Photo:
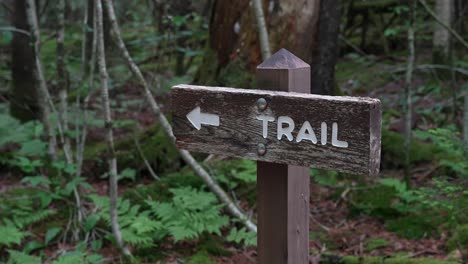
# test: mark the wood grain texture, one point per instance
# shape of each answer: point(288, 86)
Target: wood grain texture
point(283, 190)
point(239, 133)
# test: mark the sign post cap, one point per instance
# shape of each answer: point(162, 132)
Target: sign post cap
point(283, 59)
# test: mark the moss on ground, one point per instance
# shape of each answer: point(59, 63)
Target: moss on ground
point(201, 257)
point(360, 75)
point(155, 145)
point(393, 152)
point(375, 200)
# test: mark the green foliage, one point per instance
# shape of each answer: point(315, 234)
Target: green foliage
point(213, 245)
point(10, 235)
point(453, 153)
point(12, 131)
point(325, 178)
point(414, 226)
point(21, 211)
point(411, 213)
point(201, 257)
point(190, 213)
point(374, 200)
point(51, 234)
point(459, 239)
point(376, 243)
point(18, 257)
point(242, 236)
point(392, 150)
point(186, 216)
point(78, 257)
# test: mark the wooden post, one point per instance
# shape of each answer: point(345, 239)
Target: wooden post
point(283, 190)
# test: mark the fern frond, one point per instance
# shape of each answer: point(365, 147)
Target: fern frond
point(18, 257)
point(9, 234)
point(130, 237)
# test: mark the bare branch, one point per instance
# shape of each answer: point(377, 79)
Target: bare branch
point(13, 29)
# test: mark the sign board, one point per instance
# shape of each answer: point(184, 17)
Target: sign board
point(328, 132)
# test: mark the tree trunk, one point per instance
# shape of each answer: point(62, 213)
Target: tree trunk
point(326, 50)
point(441, 36)
point(24, 104)
point(234, 48)
point(234, 51)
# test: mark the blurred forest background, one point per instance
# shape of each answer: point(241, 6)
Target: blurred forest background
point(89, 172)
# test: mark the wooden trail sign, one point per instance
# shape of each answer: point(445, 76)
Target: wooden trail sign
point(328, 132)
point(286, 129)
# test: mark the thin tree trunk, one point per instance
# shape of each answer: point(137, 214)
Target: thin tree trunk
point(111, 158)
point(408, 88)
point(84, 41)
point(43, 93)
point(188, 158)
point(465, 117)
point(262, 29)
point(63, 80)
point(84, 129)
point(443, 24)
point(441, 36)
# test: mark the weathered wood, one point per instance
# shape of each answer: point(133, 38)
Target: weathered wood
point(283, 190)
point(240, 131)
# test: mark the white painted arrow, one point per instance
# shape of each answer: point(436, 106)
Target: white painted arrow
point(197, 118)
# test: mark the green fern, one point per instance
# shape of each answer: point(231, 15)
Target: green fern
point(242, 236)
point(137, 228)
point(11, 235)
point(17, 257)
point(190, 213)
point(21, 211)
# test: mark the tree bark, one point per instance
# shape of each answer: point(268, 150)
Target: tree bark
point(262, 29)
point(441, 36)
point(408, 88)
point(325, 52)
point(24, 104)
point(63, 80)
point(42, 93)
point(234, 51)
point(111, 159)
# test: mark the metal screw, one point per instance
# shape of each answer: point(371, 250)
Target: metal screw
point(262, 104)
point(261, 149)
